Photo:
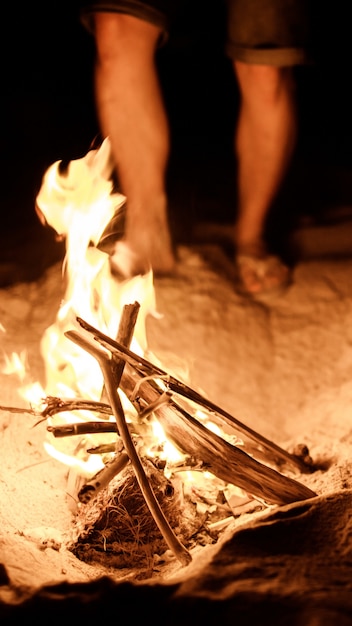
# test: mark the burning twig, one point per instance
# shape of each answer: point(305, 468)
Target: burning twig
point(102, 478)
point(82, 428)
point(104, 360)
point(53, 405)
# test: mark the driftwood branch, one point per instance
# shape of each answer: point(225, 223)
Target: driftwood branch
point(104, 361)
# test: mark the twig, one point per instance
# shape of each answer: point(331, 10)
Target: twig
point(104, 360)
point(55, 405)
point(82, 428)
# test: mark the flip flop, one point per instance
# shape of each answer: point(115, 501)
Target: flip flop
point(261, 278)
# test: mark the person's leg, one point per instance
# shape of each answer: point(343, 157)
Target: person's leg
point(264, 143)
point(266, 39)
point(132, 115)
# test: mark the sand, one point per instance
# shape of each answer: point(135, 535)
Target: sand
point(283, 368)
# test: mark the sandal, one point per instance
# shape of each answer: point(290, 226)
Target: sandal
point(261, 278)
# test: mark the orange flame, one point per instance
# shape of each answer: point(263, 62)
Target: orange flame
point(79, 203)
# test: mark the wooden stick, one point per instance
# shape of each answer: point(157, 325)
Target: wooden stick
point(16, 409)
point(104, 361)
point(82, 428)
point(147, 368)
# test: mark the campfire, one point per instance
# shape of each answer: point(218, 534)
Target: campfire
point(155, 467)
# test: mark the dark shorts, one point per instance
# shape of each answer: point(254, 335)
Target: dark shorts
point(270, 32)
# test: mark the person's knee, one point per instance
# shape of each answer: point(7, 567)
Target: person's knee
point(263, 80)
point(119, 32)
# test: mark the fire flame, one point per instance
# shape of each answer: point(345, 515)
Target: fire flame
point(79, 202)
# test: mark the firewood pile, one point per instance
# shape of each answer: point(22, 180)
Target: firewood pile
point(131, 511)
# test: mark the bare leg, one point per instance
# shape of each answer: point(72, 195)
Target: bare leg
point(264, 143)
point(132, 115)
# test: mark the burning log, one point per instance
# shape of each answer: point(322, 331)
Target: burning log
point(229, 463)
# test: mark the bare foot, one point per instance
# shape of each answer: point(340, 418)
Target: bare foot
point(145, 247)
point(258, 277)
point(259, 273)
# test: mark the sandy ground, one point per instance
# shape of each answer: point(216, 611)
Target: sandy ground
point(283, 368)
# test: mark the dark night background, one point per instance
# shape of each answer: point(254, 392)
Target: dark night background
point(48, 112)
